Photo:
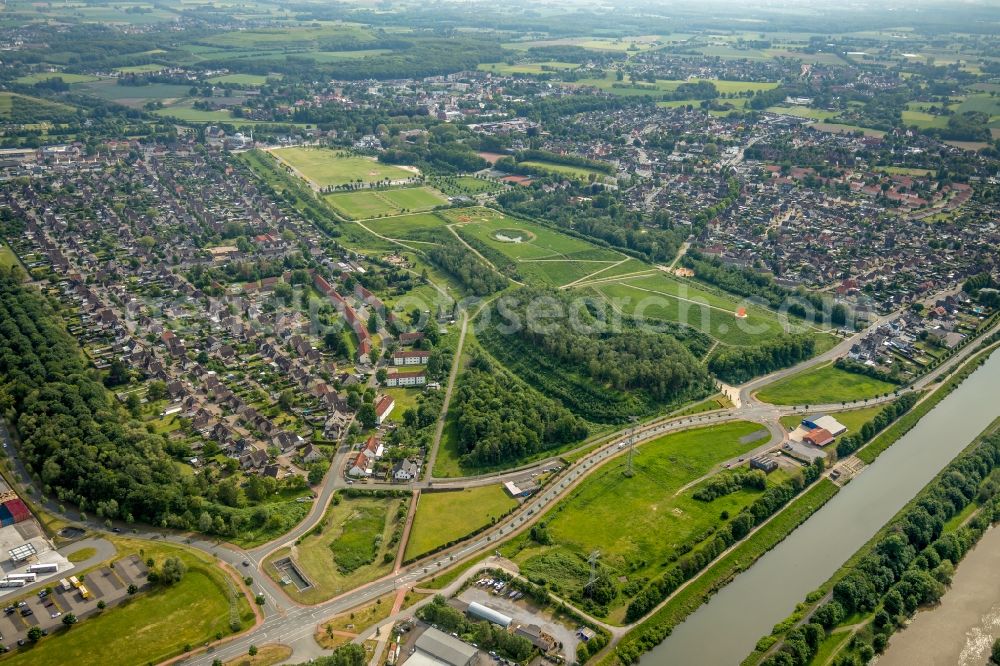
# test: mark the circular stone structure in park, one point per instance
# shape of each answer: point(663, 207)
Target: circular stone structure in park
point(513, 235)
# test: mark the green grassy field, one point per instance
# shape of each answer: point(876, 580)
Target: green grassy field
point(184, 111)
point(151, 627)
point(542, 255)
point(7, 256)
point(853, 419)
point(140, 69)
point(365, 204)
point(32, 79)
point(659, 516)
point(626, 88)
point(803, 112)
point(526, 67)
point(578, 172)
point(446, 516)
point(343, 552)
point(826, 384)
point(240, 79)
point(467, 185)
point(407, 227)
point(687, 600)
point(328, 168)
point(664, 297)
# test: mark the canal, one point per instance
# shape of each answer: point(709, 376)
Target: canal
point(726, 629)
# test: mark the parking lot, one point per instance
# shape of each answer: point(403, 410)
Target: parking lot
point(45, 608)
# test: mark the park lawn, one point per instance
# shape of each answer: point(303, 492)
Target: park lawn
point(329, 168)
point(443, 517)
point(467, 185)
point(38, 77)
point(404, 227)
point(661, 297)
point(379, 203)
point(342, 552)
point(823, 385)
point(524, 240)
point(578, 172)
point(659, 517)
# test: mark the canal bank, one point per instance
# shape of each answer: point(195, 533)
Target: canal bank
point(725, 630)
point(960, 630)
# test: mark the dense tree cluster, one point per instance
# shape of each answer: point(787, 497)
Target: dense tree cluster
point(727, 484)
point(501, 419)
point(911, 562)
point(738, 364)
point(351, 654)
point(73, 435)
point(771, 501)
point(848, 444)
point(475, 276)
point(598, 372)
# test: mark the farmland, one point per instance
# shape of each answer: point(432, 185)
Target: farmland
point(327, 168)
point(349, 546)
point(445, 516)
point(32, 79)
point(827, 384)
point(379, 203)
point(661, 517)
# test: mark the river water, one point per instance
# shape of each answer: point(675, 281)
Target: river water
point(725, 630)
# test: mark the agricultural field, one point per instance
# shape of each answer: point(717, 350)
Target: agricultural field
point(443, 517)
point(541, 255)
point(240, 79)
point(527, 67)
point(366, 204)
point(152, 627)
point(666, 298)
point(625, 88)
point(636, 43)
point(353, 543)
point(141, 69)
point(328, 168)
point(657, 499)
point(185, 111)
point(14, 105)
point(824, 385)
point(133, 96)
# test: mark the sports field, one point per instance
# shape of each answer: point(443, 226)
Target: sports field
point(667, 298)
point(329, 168)
point(638, 523)
point(366, 204)
point(826, 384)
point(542, 255)
point(446, 516)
